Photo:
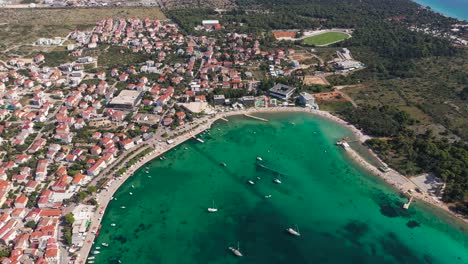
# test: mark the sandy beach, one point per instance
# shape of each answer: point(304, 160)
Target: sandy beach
point(392, 177)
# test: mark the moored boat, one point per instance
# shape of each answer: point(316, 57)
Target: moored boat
point(268, 196)
point(105, 244)
point(276, 180)
point(259, 158)
point(213, 209)
point(251, 182)
point(236, 251)
point(95, 252)
point(223, 164)
point(294, 232)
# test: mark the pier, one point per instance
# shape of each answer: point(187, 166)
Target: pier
point(256, 117)
point(407, 205)
point(224, 119)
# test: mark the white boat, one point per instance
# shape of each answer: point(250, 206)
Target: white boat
point(112, 224)
point(213, 209)
point(95, 252)
point(123, 207)
point(147, 171)
point(133, 186)
point(236, 251)
point(258, 178)
point(251, 182)
point(91, 258)
point(259, 158)
point(268, 196)
point(276, 180)
point(294, 232)
point(149, 176)
point(90, 261)
point(130, 193)
point(105, 244)
point(223, 164)
point(98, 247)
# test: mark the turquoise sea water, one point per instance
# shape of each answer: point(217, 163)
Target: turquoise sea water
point(453, 8)
point(344, 215)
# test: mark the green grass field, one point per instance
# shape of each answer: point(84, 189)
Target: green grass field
point(325, 38)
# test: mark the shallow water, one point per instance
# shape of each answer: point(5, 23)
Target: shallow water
point(344, 215)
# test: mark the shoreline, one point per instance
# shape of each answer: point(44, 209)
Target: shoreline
point(393, 178)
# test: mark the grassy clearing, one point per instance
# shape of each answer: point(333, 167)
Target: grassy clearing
point(25, 26)
point(325, 38)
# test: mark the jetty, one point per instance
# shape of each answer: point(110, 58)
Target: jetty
point(407, 205)
point(224, 119)
point(256, 117)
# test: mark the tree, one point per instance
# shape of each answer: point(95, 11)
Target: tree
point(69, 219)
point(31, 224)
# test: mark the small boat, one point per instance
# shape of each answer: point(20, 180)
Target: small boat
point(91, 258)
point(105, 244)
point(149, 176)
point(268, 196)
point(130, 193)
point(258, 178)
point(123, 207)
point(294, 232)
point(95, 252)
point(259, 158)
point(133, 186)
point(223, 164)
point(251, 182)
point(112, 224)
point(276, 180)
point(90, 261)
point(213, 209)
point(236, 251)
point(98, 247)
point(147, 171)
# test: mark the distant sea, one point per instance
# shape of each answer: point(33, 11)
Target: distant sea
point(344, 214)
point(453, 8)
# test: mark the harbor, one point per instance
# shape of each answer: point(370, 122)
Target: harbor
point(167, 217)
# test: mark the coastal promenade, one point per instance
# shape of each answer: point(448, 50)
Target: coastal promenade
point(103, 198)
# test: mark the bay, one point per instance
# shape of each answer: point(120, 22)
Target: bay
point(453, 8)
point(344, 214)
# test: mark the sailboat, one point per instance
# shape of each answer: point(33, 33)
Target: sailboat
point(213, 209)
point(294, 232)
point(277, 180)
point(236, 251)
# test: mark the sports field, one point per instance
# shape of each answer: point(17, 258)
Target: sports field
point(325, 38)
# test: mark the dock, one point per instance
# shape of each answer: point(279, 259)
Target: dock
point(256, 117)
point(407, 205)
point(224, 119)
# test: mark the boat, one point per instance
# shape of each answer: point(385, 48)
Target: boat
point(105, 244)
point(213, 209)
point(147, 171)
point(130, 193)
point(90, 261)
point(149, 176)
point(259, 158)
point(258, 178)
point(91, 258)
point(123, 207)
point(112, 224)
point(95, 252)
point(223, 164)
point(294, 232)
point(276, 180)
point(133, 186)
point(251, 182)
point(98, 247)
point(268, 196)
point(236, 251)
